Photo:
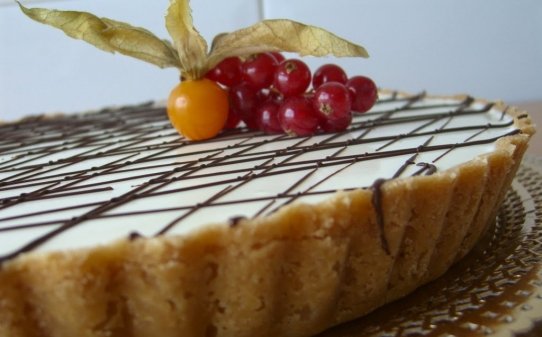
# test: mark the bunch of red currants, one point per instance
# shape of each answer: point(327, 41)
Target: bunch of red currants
point(270, 93)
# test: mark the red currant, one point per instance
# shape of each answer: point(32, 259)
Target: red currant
point(243, 101)
point(328, 73)
point(278, 56)
point(227, 72)
point(297, 116)
point(292, 77)
point(332, 101)
point(363, 93)
point(336, 125)
point(267, 117)
point(258, 70)
point(265, 95)
point(233, 119)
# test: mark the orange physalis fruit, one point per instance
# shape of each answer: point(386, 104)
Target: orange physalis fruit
point(198, 109)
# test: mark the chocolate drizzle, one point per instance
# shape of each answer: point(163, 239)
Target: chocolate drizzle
point(89, 155)
point(234, 221)
point(377, 204)
point(134, 236)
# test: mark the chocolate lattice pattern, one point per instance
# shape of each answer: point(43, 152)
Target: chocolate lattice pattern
point(85, 180)
point(68, 179)
point(495, 291)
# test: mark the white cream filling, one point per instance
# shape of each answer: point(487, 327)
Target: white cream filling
point(115, 224)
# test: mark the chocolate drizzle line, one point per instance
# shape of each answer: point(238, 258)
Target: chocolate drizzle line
point(54, 159)
point(377, 204)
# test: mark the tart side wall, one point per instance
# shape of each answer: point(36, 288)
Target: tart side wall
point(294, 273)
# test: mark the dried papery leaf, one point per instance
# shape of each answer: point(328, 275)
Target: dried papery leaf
point(217, 39)
point(109, 35)
point(188, 52)
point(190, 45)
point(141, 44)
point(281, 35)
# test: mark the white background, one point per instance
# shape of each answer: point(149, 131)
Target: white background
point(490, 49)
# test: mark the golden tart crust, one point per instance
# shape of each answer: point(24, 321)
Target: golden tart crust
point(293, 273)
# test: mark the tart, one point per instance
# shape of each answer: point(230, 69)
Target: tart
point(111, 224)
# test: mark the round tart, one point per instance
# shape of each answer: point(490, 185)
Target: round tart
point(113, 225)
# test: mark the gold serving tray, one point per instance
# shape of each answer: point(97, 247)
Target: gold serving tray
point(495, 291)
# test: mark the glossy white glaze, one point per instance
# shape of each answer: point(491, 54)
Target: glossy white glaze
point(171, 200)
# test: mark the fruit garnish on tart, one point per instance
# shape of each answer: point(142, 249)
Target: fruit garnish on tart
point(241, 73)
